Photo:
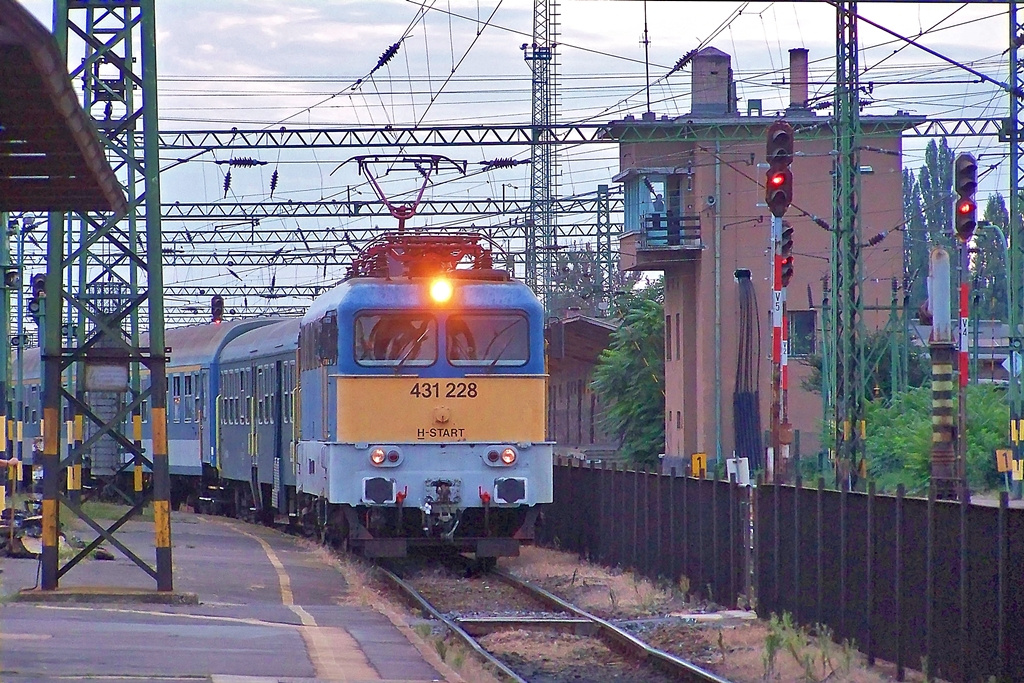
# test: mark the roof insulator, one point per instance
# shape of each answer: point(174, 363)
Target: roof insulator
point(877, 238)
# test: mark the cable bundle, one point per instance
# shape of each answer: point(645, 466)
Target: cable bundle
point(745, 398)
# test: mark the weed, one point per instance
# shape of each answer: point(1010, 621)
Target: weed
point(711, 595)
point(458, 659)
point(572, 582)
point(423, 630)
point(772, 644)
point(684, 586)
point(614, 600)
point(721, 644)
point(442, 648)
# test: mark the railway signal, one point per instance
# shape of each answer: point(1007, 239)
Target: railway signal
point(786, 251)
point(965, 181)
point(35, 303)
point(217, 308)
point(778, 187)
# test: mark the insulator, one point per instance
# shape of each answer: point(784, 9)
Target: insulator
point(227, 183)
point(245, 162)
point(877, 238)
point(503, 162)
point(273, 182)
point(388, 55)
point(683, 61)
point(824, 104)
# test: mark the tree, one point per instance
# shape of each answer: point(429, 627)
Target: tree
point(630, 375)
point(988, 263)
point(878, 357)
point(578, 286)
point(927, 207)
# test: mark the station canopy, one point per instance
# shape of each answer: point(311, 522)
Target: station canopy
point(51, 158)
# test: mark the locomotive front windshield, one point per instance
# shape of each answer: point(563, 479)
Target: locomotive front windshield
point(411, 339)
point(395, 339)
point(487, 339)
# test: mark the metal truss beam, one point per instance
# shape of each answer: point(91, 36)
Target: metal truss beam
point(467, 209)
point(255, 291)
point(521, 135)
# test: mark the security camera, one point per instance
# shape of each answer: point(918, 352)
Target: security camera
point(711, 200)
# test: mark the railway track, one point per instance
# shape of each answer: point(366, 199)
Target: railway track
point(519, 606)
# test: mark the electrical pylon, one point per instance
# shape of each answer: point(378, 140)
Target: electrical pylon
point(1015, 264)
point(847, 268)
point(98, 290)
point(541, 231)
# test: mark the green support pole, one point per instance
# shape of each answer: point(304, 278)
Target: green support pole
point(1015, 262)
point(847, 270)
point(154, 258)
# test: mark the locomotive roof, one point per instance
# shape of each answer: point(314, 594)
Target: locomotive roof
point(370, 292)
point(280, 337)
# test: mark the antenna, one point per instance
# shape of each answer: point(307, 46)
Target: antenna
point(647, 59)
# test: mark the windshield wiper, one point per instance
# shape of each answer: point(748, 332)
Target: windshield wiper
point(413, 349)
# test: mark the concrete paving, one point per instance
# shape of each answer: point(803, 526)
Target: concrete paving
point(264, 607)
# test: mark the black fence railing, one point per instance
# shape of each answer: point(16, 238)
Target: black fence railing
point(920, 583)
point(662, 526)
point(669, 230)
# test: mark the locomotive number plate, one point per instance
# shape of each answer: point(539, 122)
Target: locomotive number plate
point(444, 390)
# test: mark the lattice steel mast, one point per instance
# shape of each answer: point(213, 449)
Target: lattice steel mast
point(541, 231)
point(847, 268)
point(1015, 265)
point(114, 277)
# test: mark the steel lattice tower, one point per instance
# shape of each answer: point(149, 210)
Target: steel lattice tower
point(541, 231)
point(100, 289)
point(847, 268)
point(1015, 265)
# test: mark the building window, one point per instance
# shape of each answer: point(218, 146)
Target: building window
point(668, 337)
point(802, 328)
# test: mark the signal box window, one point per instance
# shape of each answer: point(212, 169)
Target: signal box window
point(802, 328)
point(383, 339)
point(487, 339)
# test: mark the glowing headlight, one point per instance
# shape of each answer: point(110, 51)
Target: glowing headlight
point(441, 290)
point(508, 456)
point(377, 456)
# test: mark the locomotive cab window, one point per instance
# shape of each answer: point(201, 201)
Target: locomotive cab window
point(398, 339)
point(488, 339)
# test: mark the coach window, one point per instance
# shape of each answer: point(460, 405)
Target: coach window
point(187, 407)
point(176, 390)
point(34, 402)
point(398, 339)
point(496, 339)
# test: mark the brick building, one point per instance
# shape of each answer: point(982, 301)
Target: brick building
point(694, 210)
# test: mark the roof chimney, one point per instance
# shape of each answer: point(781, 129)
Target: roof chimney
point(798, 78)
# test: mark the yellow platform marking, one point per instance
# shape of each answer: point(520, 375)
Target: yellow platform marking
point(335, 654)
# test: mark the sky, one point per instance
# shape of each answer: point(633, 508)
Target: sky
point(262, 63)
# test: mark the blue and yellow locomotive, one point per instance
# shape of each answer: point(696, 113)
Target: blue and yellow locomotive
point(422, 401)
point(407, 408)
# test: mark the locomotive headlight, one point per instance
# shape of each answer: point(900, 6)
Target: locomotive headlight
point(508, 456)
point(378, 455)
point(441, 290)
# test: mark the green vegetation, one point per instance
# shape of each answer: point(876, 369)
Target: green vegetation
point(900, 436)
point(630, 375)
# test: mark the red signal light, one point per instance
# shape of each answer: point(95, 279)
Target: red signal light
point(965, 206)
point(777, 179)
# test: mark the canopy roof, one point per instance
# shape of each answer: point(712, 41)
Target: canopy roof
point(51, 158)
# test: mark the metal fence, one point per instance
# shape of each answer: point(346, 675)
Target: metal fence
point(920, 583)
point(663, 526)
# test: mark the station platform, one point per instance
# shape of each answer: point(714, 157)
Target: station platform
point(249, 605)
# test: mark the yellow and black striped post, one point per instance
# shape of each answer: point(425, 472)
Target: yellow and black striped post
point(49, 323)
point(944, 470)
